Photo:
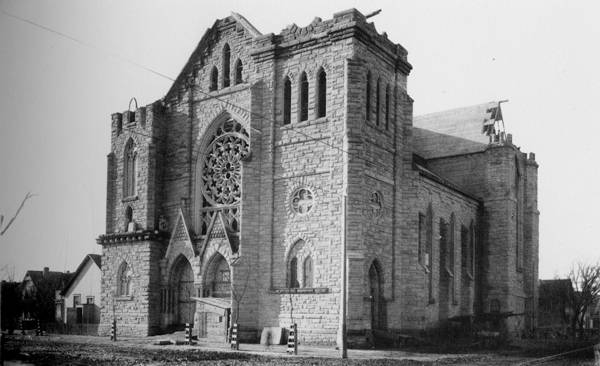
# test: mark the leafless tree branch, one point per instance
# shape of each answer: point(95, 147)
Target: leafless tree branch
point(27, 196)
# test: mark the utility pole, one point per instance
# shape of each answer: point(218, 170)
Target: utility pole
point(344, 295)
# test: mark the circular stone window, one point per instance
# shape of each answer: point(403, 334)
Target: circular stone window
point(302, 201)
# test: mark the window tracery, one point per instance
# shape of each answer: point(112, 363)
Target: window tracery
point(222, 168)
point(220, 176)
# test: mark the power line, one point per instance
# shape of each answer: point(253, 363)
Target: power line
point(162, 75)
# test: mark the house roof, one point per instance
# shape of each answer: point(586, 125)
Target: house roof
point(95, 258)
point(555, 288)
point(56, 280)
point(456, 131)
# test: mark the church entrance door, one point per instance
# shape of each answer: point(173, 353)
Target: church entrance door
point(183, 284)
point(376, 296)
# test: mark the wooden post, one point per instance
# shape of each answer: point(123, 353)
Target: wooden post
point(597, 354)
point(113, 331)
point(234, 341)
point(293, 340)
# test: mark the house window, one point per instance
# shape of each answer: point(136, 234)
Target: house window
point(293, 279)
point(387, 107)
point(466, 243)
point(422, 239)
point(76, 300)
point(89, 300)
point(307, 276)
point(303, 97)
point(214, 79)
point(368, 97)
point(124, 280)
point(428, 258)
point(238, 71)
point(450, 263)
point(226, 61)
point(130, 162)
point(287, 101)
point(321, 93)
point(377, 102)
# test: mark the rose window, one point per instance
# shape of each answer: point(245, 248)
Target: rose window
point(222, 170)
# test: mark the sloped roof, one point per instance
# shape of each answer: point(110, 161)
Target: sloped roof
point(95, 258)
point(56, 280)
point(223, 303)
point(556, 288)
point(453, 132)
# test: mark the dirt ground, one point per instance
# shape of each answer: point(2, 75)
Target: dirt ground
point(99, 351)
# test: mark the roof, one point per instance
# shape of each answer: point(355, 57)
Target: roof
point(223, 303)
point(425, 172)
point(454, 132)
point(56, 280)
point(555, 288)
point(95, 258)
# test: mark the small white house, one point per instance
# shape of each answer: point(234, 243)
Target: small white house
point(79, 302)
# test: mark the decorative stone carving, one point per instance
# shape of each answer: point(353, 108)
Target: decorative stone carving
point(163, 223)
point(375, 206)
point(302, 201)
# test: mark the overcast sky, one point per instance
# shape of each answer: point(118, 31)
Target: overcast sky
point(56, 97)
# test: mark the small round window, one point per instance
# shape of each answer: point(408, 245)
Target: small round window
point(302, 201)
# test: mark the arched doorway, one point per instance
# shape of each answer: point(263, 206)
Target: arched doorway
point(217, 281)
point(182, 283)
point(376, 297)
point(215, 305)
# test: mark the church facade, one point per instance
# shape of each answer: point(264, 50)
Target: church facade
point(237, 196)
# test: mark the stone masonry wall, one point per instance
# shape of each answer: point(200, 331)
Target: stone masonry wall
point(135, 313)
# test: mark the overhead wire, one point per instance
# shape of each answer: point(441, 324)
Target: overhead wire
point(162, 75)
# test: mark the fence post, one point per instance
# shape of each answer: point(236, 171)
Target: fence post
point(292, 340)
point(597, 354)
point(38, 329)
point(188, 333)
point(113, 331)
point(234, 337)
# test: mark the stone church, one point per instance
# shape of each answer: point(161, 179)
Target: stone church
point(237, 196)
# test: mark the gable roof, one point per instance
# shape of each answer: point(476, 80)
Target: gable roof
point(207, 40)
point(95, 258)
point(456, 131)
point(53, 279)
point(557, 288)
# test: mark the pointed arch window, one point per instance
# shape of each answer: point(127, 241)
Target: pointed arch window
point(293, 279)
point(387, 107)
point(287, 101)
point(307, 273)
point(238, 71)
point(214, 79)
point(321, 93)
point(377, 102)
point(129, 219)
point(226, 63)
point(129, 169)
point(303, 107)
point(124, 276)
point(368, 97)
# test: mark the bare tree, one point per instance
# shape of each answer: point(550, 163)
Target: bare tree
point(3, 229)
point(238, 296)
point(586, 288)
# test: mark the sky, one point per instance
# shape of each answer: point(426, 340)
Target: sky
point(57, 94)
